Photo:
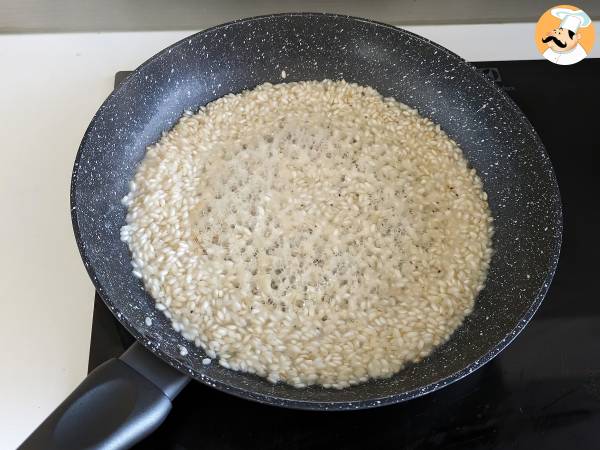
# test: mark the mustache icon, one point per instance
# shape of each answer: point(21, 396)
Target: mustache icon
point(555, 40)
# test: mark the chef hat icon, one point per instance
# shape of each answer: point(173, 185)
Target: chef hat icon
point(571, 20)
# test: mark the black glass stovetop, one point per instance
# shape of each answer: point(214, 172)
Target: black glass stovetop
point(542, 392)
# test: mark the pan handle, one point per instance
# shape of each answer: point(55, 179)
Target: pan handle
point(119, 403)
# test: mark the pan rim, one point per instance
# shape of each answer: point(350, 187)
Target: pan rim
point(309, 404)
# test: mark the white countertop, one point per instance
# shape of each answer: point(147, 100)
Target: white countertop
point(50, 87)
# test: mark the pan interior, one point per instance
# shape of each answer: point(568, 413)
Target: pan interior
point(494, 135)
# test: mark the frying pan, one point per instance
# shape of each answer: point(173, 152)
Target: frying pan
point(126, 398)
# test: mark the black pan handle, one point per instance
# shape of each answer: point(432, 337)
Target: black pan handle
point(119, 403)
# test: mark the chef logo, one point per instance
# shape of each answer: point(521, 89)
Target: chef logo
point(564, 35)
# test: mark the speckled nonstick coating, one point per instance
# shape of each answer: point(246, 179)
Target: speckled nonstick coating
point(495, 136)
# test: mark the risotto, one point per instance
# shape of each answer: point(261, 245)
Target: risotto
point(310, 233)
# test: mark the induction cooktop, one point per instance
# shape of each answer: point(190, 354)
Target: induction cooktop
point(542, 392)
